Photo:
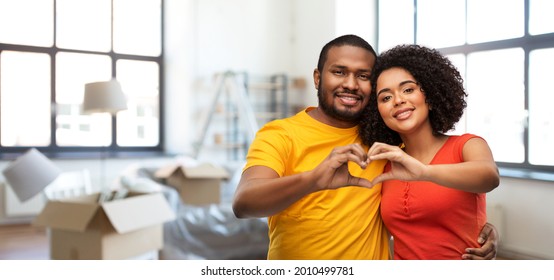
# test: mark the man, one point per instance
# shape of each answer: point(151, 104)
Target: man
point(308, 174)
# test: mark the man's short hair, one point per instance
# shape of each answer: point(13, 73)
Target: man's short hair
point(344, 40)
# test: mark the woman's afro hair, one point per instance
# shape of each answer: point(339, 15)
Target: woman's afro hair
point(438, 78)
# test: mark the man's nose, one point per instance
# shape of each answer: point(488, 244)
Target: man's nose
point(350, 82)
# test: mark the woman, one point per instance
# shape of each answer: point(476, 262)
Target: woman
point(433, 196)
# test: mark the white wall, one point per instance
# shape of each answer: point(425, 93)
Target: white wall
point(528, 218)
point(314, 25)
point(212, 36)
point(243, 35)
point(180, 68)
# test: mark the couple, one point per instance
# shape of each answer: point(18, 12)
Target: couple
point(320, 175)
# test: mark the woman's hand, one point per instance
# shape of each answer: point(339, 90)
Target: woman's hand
point(403, 166)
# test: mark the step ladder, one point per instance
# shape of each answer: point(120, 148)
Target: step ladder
point(234, 87)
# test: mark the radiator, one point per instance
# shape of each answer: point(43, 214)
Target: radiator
point(15, 208)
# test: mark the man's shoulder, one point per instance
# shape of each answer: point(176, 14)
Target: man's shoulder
point(297, 120)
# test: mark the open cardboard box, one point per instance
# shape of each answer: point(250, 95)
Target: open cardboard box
point(197, 185)
point(82, 228)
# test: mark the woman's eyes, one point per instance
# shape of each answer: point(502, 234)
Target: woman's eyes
point(386, 98)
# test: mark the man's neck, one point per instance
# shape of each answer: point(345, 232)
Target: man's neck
point(320, 116)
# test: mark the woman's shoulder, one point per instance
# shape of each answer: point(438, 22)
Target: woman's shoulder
point(463, 137)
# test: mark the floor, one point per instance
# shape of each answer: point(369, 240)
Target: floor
point(23, 242)
point(27, 242)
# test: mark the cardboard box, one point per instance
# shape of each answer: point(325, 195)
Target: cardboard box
point(197, 185)
point(82, 228)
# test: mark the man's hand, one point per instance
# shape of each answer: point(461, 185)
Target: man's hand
point(333, 172)
point(489, 240)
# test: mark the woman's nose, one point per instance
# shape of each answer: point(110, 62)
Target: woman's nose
point(399, 99)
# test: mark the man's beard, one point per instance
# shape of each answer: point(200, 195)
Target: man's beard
point(330, 110)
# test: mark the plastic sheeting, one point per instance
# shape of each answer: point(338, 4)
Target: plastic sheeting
point(213, 232)
point(210, 232)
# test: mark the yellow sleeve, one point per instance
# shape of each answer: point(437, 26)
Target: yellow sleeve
point(270, 148)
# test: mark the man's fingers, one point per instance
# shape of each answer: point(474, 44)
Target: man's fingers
point(361, 182)
point(469, 256)
point(353, 152)
point(487, 252)
point(472, 254)
point(484, 235)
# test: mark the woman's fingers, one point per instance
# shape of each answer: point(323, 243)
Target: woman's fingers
point(383, 151)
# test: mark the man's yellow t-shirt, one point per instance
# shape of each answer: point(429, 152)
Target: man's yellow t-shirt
point(332, 224)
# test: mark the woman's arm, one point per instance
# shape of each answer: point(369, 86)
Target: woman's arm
point(478, 173)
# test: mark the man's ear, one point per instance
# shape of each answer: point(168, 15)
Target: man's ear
point(317, 78)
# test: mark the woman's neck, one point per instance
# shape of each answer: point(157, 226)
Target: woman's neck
point(423, 146)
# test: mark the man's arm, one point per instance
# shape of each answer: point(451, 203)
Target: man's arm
point(489, 238)
point(261, 192)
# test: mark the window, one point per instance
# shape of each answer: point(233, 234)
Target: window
point(49, 50)
point(503, 48)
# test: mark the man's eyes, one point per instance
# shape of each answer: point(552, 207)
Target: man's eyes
point(364, 76)
point(342, 73)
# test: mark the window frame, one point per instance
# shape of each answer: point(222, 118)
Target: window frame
point(84, 152)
